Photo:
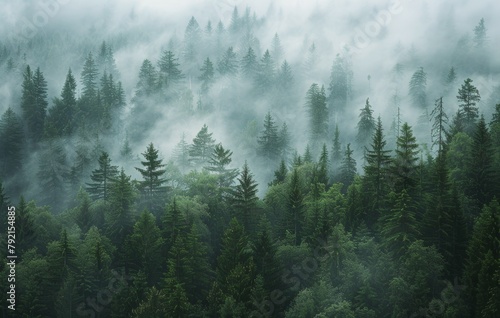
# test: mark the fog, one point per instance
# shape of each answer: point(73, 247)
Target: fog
point(373, 37)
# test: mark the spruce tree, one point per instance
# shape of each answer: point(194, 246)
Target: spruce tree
point(102, 178)
point(228, 64)
point(366, 125)
point(340, 86)
point(11, 144)
point(417, 89)
point(207, 75)
point(404, 166)
point(284, 142)
point(480, 38)
point(468, 96)
point(249, 64)
point(347, 169)
point(218, 164)
point(202, 147)
point(269, 140)
point(265, 78)
point(439, 130)
point(121, 198)
point(34, 103)
point(148, 81)
point(318, 114)
point(245, 199)
point(295, 219)
point(169, 71)
point(152, 186)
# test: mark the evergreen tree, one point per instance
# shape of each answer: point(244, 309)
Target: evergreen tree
point(218, 164)
point(269, 140)
point(347, 169)
point(480, 38)
point(148, 80)
point(318, 113)
point(439, 130)
point(249, 64)
point(181, 154)
point(280, 174)
point(404, 166)
point(121, 198)
point(60, 119)
point(482, 185)
point(102, 178)
point(52, 174)
point(207, 76)
point(284, 78)
point(376, 169)
point(340, 86)
point(34, 102)
point(366, 125)
point(265, 78)
point(284, 142)
point(11, 144)
point(417, 89)
point(153, 184)
point(144, 247)
point(295, 218)
point(336, 152)
point(400, 226)
point(89, 80)
point(245, 199)
point(228, 65)
point(266, 261)
point(169, 71)
point(202, 147)
point(322, 169)
point(277, 49)
point(468, 96)
point(192, 37)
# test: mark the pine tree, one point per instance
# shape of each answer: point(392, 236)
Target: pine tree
point(169, 71)
point(218, 164)
point(265, 78)
point(400, 226)
point(207, 76)
point(284, 142)
point(61, 117)
point(245, 199)
point(347, 169)
point(468, 96)
point(480, 38)
point(181, 154)
point(482, 185)
point(404, 166)
point(202, 147)
point(148, 80)
point(336, 152)
point(153, 184)
point(89, 80)
point(192, 37)
point(121, 198)
point(340, 86)
point(284, 78)
point(269, 140)
point(439, 130)
point(102, 178)
point(417, 89)
point(366, 124)
point(318, 113)
point(280, 174)
point(376, 169)
point(322, 169)
point(295, 218)
point(34, 102)
point(228, 64)
point(144, 247)
point(11, 144)
point(249, 64)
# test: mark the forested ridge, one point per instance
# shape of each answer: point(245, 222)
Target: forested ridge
point(228, 181)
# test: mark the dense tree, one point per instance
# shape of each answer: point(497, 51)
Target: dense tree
point(152, 186)
point(417, 89)
point(34, 102)
point(366, 125)
point(404, 166)
point(11, 144)
point(245, 200)
point(61, 117)
point(340, 86)
point(468, 96)
point(207, 75)
point(318, 113)
point(347, 168)
point(169, 71)
point(269, 139)
point(228, 64)
point(102, 178)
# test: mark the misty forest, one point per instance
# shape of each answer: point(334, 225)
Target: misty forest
point(227, 160)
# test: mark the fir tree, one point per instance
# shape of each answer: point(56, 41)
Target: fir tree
point(148, 80)
point(269, 140)
point(439, 130)
point(227, 65)
point(245, 199)
point(366, 125)
point(11, 144)
point(417, 89)
point(480, 38)
point(405, 163)
point(102, 178)
point(218, 164)
point(340, 86)
point(468, 96)
point(202, 147)
point(295, 218)
point(347, 169)
point(207, 76)
point(249, 64)
point(169, 71)
point(265, 78)
point(153, 184)
point(318, 113)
